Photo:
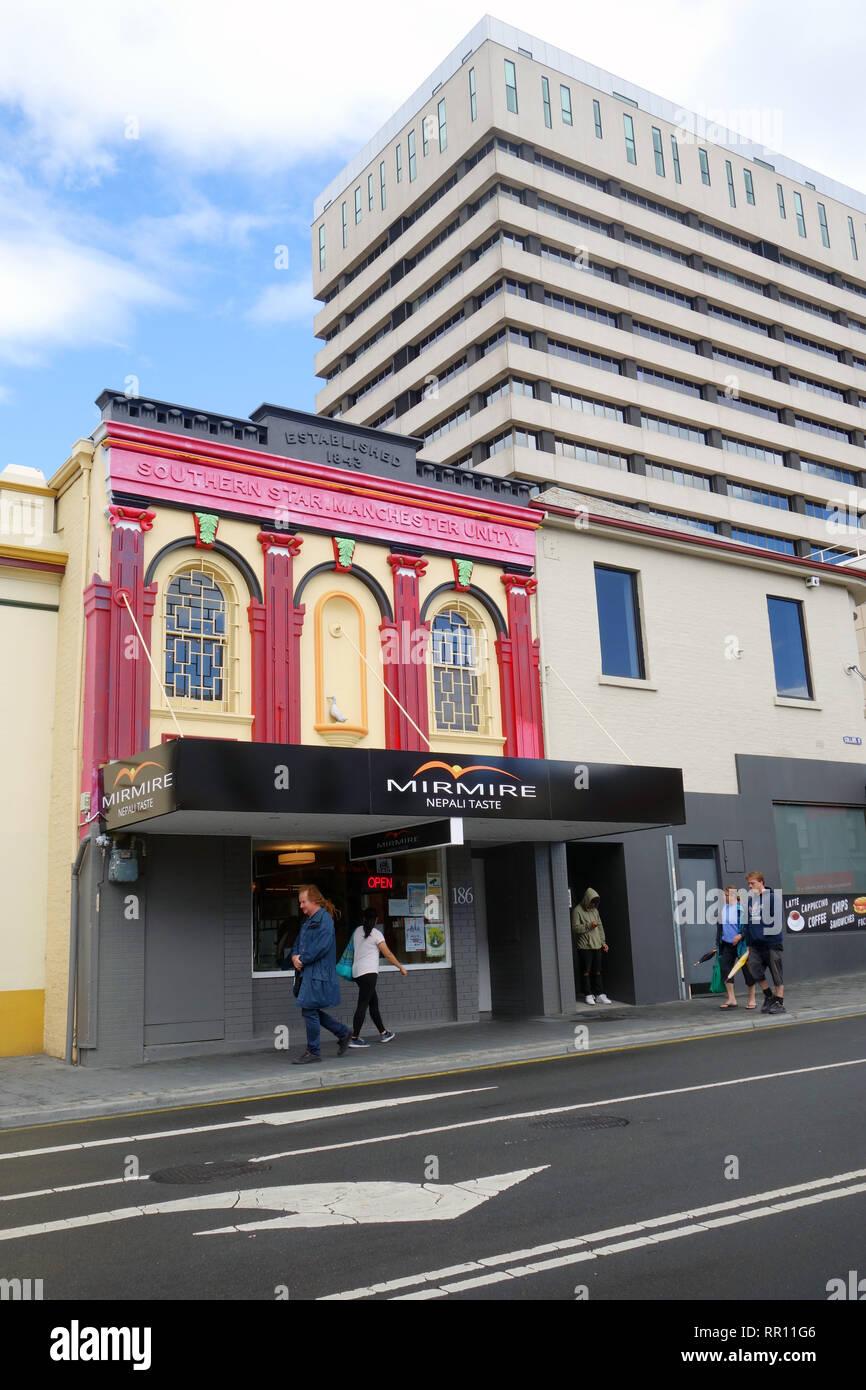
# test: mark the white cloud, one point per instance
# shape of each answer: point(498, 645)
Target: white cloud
point(283, 303)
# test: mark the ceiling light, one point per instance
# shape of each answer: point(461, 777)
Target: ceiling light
point(297, 857)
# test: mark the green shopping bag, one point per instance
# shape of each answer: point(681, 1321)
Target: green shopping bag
point(717, 985)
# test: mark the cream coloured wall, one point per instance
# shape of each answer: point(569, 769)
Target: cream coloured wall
point(700, 703)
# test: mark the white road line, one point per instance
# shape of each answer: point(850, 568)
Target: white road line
point(73, 1187)
point(521, 1271)
point(808, 1193)
point(283, 1117)
point(552, 1110)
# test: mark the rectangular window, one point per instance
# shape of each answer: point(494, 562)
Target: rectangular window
point(630, 152)
point(473, 100)
point(322, 247)
point(781, 192)
point(853, 238)
point(545, 102)
point(358, 203)
point(398, 152)
point(596, 116)
point(619, 623)
point(382, 184)
point(443, 128)
point(415, 888)
point(369, 192)
point(565, 101)
point(658, 153)
point(705, 167)
point(788, 638)
point(798, 212)
point(732, 197)
point(822, 222)
point(344, 226)
point(425, 141)
point(510, 86)
point(822, 849)
point(750, 187)
point(413, 167)
point(678, 178)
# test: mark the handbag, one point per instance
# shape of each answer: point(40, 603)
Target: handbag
point(344, 964)
point(716, 984)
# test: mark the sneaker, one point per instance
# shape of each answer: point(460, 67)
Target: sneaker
point(343, 1043)
point(777, 1007)
point(387, 1036)
point(603, 999)
point(304, 1058)
point(767, 1005)
point(358, 1042)
point(590, 999)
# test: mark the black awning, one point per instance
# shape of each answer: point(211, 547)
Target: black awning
point(201, 786)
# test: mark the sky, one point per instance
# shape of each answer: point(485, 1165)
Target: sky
point(159, 162)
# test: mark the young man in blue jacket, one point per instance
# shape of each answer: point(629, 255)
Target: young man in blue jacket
point(766, 941)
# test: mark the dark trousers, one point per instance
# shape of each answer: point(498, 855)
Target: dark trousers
point(590, 966)
point(367, 999)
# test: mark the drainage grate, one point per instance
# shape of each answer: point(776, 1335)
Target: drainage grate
point(601, 1018)
point(581, 1122)
point(208, 1172)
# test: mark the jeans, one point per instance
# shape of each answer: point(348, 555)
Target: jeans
point(367, 998)
point(590, 964)
point(316, 1018)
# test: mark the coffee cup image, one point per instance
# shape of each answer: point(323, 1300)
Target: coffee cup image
point(796, 921)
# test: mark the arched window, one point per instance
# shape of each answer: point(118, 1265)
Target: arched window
point(459, 679)
point(196, 637)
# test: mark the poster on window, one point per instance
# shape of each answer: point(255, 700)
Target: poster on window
point(435, 937)
point(416, 893)
point(433, 898)
point(414, 934)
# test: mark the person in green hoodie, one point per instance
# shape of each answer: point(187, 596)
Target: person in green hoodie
point(589, 939)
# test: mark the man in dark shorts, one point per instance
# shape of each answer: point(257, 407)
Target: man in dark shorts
point(766, 941)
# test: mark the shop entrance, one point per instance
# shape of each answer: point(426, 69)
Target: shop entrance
point(602, 867)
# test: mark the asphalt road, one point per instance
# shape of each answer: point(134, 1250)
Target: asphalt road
point(726, 1169)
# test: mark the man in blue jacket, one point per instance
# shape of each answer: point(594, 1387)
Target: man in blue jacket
point(766, 941)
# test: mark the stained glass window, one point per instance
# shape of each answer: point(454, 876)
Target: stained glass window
point(454, 646)
point(195, 637)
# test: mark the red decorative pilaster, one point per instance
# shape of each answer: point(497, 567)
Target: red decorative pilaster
point(128, 669)
point(276, 627)
point(94, 744)
point(404, 655)
point(519, 677)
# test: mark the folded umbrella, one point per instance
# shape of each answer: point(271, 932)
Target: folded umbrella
point(738, 965)
point(708, 955)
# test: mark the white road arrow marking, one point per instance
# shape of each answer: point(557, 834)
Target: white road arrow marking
point(314, 1204)
point(372, 1203)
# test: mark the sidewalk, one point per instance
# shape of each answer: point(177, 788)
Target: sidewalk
point(41, 1090)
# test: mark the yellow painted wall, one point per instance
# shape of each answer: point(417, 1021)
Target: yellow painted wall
point(22, 1021)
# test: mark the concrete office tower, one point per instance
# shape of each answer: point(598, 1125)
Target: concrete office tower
point(546, 272)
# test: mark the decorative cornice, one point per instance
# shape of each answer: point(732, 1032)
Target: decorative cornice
point(162, 444)
point(518, 584)
point(131, 518)
point(280, 543)
point(408, 564)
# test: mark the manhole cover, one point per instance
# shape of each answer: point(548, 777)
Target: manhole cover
point(581, 1122)
point(208, 1172)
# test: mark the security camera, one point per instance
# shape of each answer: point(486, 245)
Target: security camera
point(813, 582)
